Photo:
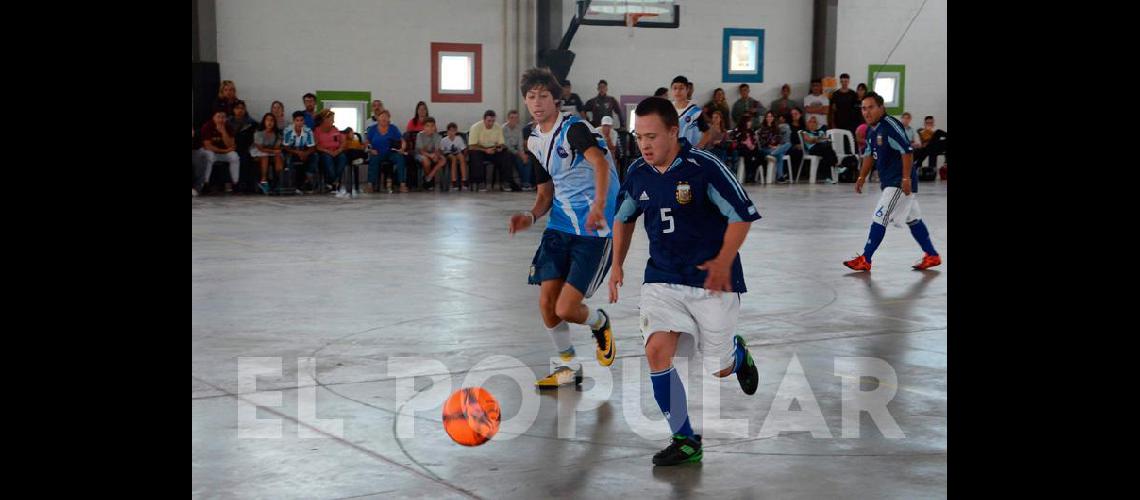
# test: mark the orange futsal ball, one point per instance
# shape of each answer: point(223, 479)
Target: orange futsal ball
point(471, 416)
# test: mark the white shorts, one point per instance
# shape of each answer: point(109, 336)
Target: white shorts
point(706, 321)
point(896, 207)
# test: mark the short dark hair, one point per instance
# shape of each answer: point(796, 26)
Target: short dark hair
point(660, 92)
point(452, 125)
point(601, 82)
point(660, 107)
point(308, 95)
point(680, 79)
point(871, 95)
point(298, 113)
point(239, 102)
point(906, 113)
point(928, 117)
point(512, 112)
point(429, 120)
point(816, 80)
point(540, 77)
point(862, 86)
point(489, 112)
point(743, 86)
point(845, 75)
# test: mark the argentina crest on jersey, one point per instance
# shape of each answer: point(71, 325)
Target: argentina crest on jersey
point(684, 193)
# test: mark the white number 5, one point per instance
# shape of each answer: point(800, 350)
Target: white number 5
point(665, 217)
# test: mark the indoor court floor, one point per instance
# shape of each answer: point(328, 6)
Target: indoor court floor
point(319, 294)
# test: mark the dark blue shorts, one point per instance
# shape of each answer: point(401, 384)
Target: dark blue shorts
point(583, 261)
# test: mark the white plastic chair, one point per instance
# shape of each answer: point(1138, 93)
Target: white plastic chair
point(843, 143)
point(759, 172)
point(808, 157)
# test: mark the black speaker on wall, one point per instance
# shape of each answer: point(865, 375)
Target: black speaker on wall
point(206, 78)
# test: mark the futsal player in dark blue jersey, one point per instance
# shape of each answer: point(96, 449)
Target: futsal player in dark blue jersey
point(889, 150)
point(697, 216)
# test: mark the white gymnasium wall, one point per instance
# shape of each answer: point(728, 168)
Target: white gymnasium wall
point(651, 59)
point(281, 49)
point(868, 29)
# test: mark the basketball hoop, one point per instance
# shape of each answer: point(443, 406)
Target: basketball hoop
point(632, 19)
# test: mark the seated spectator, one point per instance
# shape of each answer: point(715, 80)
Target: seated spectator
point(911, 135)
point(783, 106)
point(714, 140)
point(571, 103)
point(932, 143)
point(428, 153)
point(487, 143)
point(611, 137)
point(416, 124)
point(227, 96)
point(267, 145)
point(603, 105)
point(330, 149)
point(748, 105)
point(816, 104)
point(385, 143)
point(742, 144)
point(353, 150)
point(300, 145)
point(278, 110)
point(377, 107)
point(818, 144)
point(516, 146)
point(795, 125)
point(244, 127)
point(455, 150)
point(772, 143)
point(719, 103)
point(308, 113)
point(217, 145)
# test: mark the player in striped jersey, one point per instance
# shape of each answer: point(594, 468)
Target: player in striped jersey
point(689, 113)
point(577, 184)
point(889, 149)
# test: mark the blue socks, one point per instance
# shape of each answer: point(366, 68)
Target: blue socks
point(876, 237)
point(670, 395)
point(922, 236)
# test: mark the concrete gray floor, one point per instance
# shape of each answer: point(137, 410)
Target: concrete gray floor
point(352, 284)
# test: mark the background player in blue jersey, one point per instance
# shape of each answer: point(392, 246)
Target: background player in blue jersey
point(891, 152)
point(691, 123)
point(574, 184)
point(697, 216)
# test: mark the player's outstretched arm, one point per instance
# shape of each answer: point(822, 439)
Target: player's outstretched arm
point(581, 139)
point(623, 235)
point(907, 162)
point(596, 219)
point(865, 169)
point(544, 197)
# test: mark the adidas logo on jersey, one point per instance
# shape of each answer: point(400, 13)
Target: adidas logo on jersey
point(643, 197)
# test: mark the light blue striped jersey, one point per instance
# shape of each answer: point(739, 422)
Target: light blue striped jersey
point(573, 176)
